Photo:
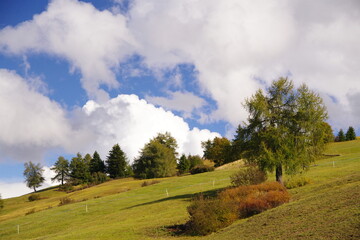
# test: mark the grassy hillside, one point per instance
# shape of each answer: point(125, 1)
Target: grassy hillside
point(328, 208)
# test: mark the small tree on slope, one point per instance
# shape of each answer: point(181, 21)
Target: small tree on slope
point(33, 175)
point(285, 128)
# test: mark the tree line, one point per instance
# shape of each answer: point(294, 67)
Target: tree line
point(158, 158)
point(285, 131)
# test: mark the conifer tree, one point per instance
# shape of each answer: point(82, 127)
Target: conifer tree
point(80, 169)
point(184, 164)
point(96, 164)
point(116, 162)
point(341, 136)
point(350, 134)
point(62, 170)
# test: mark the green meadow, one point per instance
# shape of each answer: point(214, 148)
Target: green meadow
point(327, 208)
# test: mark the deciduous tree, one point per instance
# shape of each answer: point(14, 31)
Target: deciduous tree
point(33, 175)
point(217, 150)
point(284, 128)
point(157, 158)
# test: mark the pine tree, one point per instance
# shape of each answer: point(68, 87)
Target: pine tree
point(61, 169)
point(184, 164)
point(350, 134)
point(80, 169)
point(341, 136)
point(33, 175)
point(116, 163)
point(96, 164)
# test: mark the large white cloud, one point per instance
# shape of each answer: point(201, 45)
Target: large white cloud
point(236, 46)
point(239, 46)
point(131, 122)
point(94, 42)
point(30, 122)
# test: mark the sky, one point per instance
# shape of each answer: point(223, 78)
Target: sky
point(79, 76)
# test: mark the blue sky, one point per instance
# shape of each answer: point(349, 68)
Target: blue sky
point(80, 76)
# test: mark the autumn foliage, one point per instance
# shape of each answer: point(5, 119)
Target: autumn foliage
point(211, 214)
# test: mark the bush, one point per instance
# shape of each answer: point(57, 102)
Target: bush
point(99, 177)
point(209, 215)
point(255, 199)
point(201, 169)
point(296, 181)
point(148, 183)
point(66, 200)
point(34, 197)
point(248, 176)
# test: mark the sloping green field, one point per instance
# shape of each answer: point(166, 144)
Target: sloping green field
point(328, 208)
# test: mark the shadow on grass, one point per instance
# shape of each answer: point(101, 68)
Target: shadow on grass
point(186, 197)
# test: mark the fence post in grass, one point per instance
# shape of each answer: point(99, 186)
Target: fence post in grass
point(333, 163)
point(18, 229)
point(167, 193)
point(86, 208)
point(213, 182)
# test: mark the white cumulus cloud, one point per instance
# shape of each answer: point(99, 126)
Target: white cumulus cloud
point(30, 123)
point(132, 122)
point(94, 42)
point(240, 46)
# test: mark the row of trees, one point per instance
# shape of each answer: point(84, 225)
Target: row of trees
point(92, 169)
point(158, 158)
point(350, 135)
point(285, 131)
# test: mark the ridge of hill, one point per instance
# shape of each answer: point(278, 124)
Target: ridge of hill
point(328, 208)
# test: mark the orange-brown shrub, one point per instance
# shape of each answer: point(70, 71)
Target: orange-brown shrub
point(211, 214)
point(254, 199)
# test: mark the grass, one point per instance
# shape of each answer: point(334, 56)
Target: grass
point(328, 208)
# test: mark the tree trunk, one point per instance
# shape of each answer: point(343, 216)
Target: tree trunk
point(62, 180)
point(34, 189)
point(279, 174)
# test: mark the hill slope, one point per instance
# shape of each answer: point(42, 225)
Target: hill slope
point(122, 209)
